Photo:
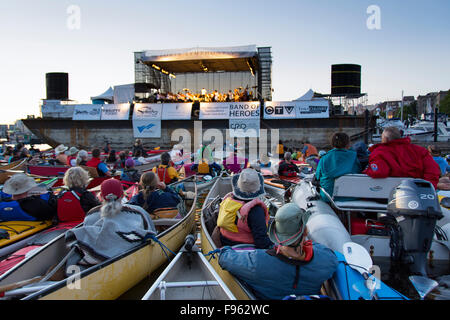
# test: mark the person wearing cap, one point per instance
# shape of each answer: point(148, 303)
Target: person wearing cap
point(294, 265)
point(398, 157)
point(109, 229)
point(130, 174)
point(60, 155)
point(286, 167)
point(165, 171)
point(72, 157)
point(243, 216)
point(29, 201)
point(335, 163)
point(97, 163)
point(155, 194)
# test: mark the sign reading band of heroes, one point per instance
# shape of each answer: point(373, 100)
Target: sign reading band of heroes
point(221, 110)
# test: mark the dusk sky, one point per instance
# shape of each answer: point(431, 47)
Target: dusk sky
point(409, 52)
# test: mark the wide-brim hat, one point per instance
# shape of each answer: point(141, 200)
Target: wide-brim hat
point(18, 184)
point(264, 159)
point(73, 150)
point(248, 185)
point(289, 224)
point(61, 148)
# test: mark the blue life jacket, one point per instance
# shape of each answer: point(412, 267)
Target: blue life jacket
point(11, 210)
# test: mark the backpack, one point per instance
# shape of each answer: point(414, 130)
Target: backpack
point(69, 207)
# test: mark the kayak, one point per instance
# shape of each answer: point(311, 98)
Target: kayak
point(107, 280)
point(12, 168)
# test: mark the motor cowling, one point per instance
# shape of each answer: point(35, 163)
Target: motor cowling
point(414, 208)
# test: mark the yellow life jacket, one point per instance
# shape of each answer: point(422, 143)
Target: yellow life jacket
point(203, 168)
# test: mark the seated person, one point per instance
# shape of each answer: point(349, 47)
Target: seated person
point(203, 167)
point(243, 217)
point(130, 174)
point(398, 157)
point(435, 152)
point(29, 201)
point(362, 153)
point(287, 168)
point(235, 164)
point(154, 194)
point(166, 173)
point(60, 155)
point(74, 203)
point(110, 229)
point(264, 162)
point(294, 266)
point(335, 163)
point(97, 163)
point(72, 157)
point(82, 158)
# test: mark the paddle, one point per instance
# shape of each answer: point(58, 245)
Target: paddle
point(423, 285)
point(359, 259)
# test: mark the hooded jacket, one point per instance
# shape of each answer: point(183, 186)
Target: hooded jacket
point(401, 158)
point(334, 164)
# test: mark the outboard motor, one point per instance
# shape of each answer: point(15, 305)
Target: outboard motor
point(415, 207)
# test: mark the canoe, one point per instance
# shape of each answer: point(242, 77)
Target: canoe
point(107, 280)
point(274, 199)
point(189, 276)
point(12, 168)
point(48, 171)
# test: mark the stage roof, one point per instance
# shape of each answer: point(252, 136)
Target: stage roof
point(201, 59)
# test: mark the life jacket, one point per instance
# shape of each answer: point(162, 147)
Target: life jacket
point(69, 207)
point(310, 151)
point(163, 174)
point(70, 158)
point(94, 162)
point(203, 168)
point(287, 172)
point(12, 211)
point(230, 209)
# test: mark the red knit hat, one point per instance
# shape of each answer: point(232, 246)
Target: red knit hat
point(111, 186)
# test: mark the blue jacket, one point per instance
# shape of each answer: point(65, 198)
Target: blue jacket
point(273, 279)
point(443, 165)
point(166, 198)
point(334, 164)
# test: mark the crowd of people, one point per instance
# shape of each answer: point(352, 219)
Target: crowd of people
point(297, 265)
point(236, 95)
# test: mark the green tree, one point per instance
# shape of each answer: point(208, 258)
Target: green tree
point(444, 107)
point(409, 110)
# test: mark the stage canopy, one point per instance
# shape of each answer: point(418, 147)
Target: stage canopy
point(201, 59)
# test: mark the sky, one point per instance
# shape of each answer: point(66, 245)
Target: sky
point(408, 49)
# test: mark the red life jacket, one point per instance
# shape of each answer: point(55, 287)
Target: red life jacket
point(69, 158)
point(163, 175)
point(94, 162)
point(289, 171)
point(69, 207)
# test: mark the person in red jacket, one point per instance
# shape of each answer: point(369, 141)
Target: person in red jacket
point(398, 157)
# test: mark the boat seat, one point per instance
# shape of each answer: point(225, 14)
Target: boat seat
point(371, 194)
point(165, 222)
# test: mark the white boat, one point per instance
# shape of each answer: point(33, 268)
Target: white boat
point(189, 276)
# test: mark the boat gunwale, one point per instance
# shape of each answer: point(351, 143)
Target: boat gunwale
point(61, 283)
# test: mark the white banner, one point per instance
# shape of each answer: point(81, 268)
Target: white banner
point(115, 111)
point(229, 110)
point(244, 128)
point(176, 111)
point(279, 110)
point(146, 128)
point(312, 109)
point(244, 110)
point(149, 111)
point(87, 112)
point(214, 110)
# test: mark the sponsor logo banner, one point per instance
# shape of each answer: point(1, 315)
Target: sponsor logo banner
point(176, 111)
point(230, 110)
point(312, 109)
point(87, 112)
point(115, 111)
point(147, 111)
point(146, 128)
point(244, 128)
point(279, 110)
